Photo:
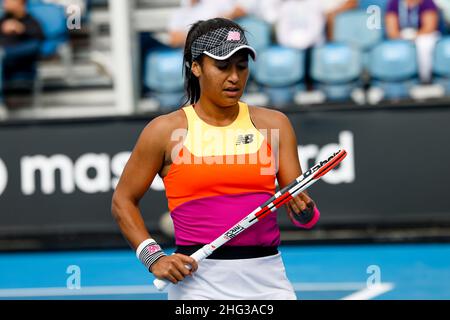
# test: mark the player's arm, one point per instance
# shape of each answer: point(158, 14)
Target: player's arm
point(392, 25)
point(145, 162)
point(430, 21)
point(302, 209)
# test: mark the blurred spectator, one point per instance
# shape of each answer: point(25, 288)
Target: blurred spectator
point(444, 6)
point(263, 9)
point(300, 24)
point(332, 8)
point(415, 20)
point(190, 12)
point(20, 38)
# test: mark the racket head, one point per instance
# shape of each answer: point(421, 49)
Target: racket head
point(331, 163)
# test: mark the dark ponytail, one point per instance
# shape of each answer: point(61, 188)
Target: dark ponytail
point(191, 83)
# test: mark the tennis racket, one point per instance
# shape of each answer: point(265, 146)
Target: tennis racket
point(280, 198)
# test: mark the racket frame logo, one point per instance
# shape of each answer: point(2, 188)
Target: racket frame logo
point(234, 232)
point(318, 166)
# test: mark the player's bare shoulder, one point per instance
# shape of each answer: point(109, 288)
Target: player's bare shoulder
point(266, 118)
point(163, 126)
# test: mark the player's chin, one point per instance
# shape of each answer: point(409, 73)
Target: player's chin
point(231, 98)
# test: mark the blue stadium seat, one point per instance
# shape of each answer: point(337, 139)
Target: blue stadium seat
point(53, 23)
point(351, 27)
point(381, 4)
point(441, 63)
point(258, 32)
point(393, 68)
point(364, 4)
point(336, 69)
point(280, 71)
point(163, 76)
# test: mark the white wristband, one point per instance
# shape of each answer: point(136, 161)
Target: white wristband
point(143, 245)
point(148, 252)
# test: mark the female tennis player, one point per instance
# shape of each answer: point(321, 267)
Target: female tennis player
point(219, 159)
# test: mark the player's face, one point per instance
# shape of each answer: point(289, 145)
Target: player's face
point(223, 81)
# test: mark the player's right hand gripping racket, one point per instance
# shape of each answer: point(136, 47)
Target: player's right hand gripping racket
point(280, 198)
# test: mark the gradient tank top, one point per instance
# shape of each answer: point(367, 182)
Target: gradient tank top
point(218, 176)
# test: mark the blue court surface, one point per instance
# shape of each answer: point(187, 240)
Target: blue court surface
point(387, 271)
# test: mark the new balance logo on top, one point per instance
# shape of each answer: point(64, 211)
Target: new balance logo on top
point(244, 139)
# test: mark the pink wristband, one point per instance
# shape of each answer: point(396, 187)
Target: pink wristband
point(309, 225)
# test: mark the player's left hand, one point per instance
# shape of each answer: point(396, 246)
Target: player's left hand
point(302, 202)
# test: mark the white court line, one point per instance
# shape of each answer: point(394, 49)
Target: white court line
point(370, 292)
point(149, 289)
point(329, 286)
point(84, 291)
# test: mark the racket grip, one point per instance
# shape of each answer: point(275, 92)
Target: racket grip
point(198, 256)
point(160, 284)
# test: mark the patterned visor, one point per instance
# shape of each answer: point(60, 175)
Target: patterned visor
point(220, 44)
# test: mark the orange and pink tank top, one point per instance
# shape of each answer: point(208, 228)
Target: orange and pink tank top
point(218, 176)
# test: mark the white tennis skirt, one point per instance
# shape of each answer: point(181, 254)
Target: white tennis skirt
point(237, 279)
